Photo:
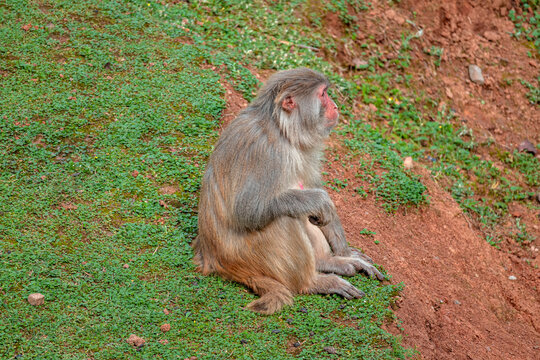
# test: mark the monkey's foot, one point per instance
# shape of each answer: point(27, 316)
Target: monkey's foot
point(348, 266)
point(269, 303)
point(273, 295)
point(333, 284)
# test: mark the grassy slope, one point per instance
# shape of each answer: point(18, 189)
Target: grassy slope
point(104, 107)
point(110, 109)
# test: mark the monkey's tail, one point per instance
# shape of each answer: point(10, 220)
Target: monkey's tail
point(273, 295)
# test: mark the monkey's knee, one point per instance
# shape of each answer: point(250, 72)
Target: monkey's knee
point(318, 241)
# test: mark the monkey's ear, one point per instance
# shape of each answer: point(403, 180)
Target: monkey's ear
point(288, 104)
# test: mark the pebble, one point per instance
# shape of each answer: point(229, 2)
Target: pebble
point(296, 344)
point(512, 277)
point(408, 163)
point(165, 327)
point(243, 341)
point(528, 147)
point(359, 64)
point(475, 73)
point(330, 349)
point(135, 340)
point(457, 302)
point(491, 36)
point(36, 299)
point(276, 331)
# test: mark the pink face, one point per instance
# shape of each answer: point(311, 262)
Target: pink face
point(331, 111)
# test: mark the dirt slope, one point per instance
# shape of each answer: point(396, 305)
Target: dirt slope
point(459, 302)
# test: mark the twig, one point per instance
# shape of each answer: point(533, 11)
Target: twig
point(285, 42)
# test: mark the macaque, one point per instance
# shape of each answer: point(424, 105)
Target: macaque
point(264, 219)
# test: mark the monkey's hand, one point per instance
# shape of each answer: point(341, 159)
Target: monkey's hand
point(366, 267)
point(325, 212)
point(360, 255)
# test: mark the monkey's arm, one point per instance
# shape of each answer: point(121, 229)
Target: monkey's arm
point(254, 209)
point(335, 235)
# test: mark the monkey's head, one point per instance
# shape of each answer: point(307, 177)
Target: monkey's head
point(299, 103)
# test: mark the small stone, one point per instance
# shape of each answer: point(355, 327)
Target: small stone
point(491, 36)
point(516, 212)
point(457, 302)
point(165, 327)
point(276, 331)
point(512, 277)
point(296, 344)
point(408, 163)
point(330, 349)
point(36, 299)
point(164, 341)
point(528, 147)
point(303, 310)
point(135, 340)
point(125, 266)
point(243, 341)
point(475, 73)
point(359, 64)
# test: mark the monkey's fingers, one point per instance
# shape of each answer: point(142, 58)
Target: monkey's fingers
point(348, 291)
point(369, 269)
point(358, 254)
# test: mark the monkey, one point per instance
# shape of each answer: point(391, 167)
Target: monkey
point(264, 219)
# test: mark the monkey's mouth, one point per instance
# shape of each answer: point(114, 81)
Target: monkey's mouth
point(331, 123)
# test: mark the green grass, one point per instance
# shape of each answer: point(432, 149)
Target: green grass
point(109, 111)
point(527, 23)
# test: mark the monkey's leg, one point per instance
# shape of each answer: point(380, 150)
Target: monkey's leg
point(341, 265)
point(333, 284)
point(273, 295)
